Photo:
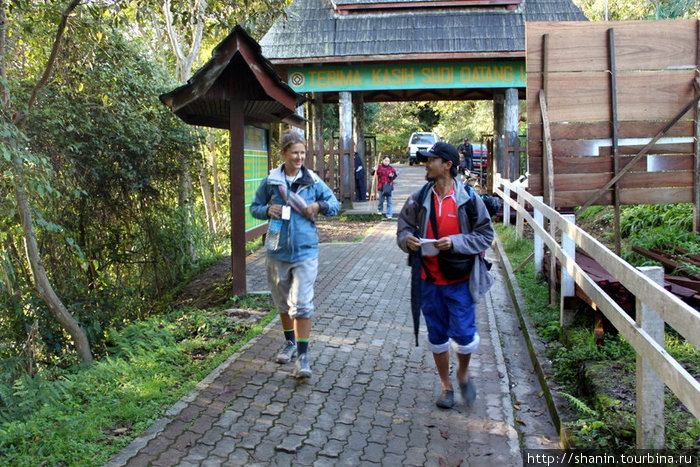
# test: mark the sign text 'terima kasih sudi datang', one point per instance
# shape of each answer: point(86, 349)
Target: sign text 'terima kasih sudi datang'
point(408, 76)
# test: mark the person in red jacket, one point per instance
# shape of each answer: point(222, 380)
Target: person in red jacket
point(386, 175)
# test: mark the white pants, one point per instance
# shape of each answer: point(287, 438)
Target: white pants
point(292, 286)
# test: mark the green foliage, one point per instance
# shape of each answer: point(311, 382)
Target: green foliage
point(624, 10)
point(590, 212)
point(579, 405)
point(83, 415)
point(636, 218)
point(657, 227)
point(464, 119)
point(427, 116)
point(536, 292)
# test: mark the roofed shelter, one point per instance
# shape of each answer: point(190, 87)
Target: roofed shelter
point(356, 51)
point(239, 90)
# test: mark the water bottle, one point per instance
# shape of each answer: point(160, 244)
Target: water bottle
point(272, 239)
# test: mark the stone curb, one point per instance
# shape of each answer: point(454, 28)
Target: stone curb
point(538, 354)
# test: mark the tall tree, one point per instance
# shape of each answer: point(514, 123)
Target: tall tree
point(13, 143)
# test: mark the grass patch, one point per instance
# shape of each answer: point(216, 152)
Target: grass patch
point(360, 217)
point(86, 414)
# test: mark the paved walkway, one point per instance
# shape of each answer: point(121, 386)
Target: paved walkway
point(371, 400)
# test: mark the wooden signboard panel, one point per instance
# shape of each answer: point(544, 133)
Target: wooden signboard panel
point(639, 45)
point(602, 164)
point(593, 130)
point(647, 196)
point(602, 147)
point(655, 66)
point(585, 97)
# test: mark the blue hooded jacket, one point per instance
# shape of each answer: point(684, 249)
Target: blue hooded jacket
point(298, 237)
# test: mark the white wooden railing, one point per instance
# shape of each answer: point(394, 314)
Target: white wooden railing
point(655, 306)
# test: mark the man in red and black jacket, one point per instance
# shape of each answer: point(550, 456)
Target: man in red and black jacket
point(447, 227)
point(386, 175)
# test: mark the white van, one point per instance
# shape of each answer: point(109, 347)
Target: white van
point(420, 141)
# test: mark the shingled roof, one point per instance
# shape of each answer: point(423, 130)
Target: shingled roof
point(318, 31)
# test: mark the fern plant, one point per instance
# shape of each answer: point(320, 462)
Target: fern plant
point(579, 405)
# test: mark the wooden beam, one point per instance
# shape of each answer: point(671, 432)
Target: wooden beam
point(696, 189)
point(547, 164)
point(393, 58)
point(615, 132)
point(236, 171)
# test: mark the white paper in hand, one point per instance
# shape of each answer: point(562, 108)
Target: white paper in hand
point(428, 246)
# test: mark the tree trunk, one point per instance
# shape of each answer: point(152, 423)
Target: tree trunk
point(206, 196)
point(41, 280)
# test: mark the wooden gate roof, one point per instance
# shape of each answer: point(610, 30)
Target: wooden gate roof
point(237, 67)
point(318, 31)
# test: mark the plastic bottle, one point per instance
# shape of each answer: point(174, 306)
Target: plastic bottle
point(274, 230)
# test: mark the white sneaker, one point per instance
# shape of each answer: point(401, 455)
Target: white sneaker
point(302, 369)
point(287, 352)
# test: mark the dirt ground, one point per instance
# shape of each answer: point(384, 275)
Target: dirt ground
point(210, 287)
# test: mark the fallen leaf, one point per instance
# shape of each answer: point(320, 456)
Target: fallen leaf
point(521, 422)
point(445, 434)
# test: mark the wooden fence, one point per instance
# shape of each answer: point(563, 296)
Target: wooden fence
point(659, 305)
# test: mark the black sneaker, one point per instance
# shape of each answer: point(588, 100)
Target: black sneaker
point(287, 352)
point(446, 400)
point(468, 392)
point(302, 369)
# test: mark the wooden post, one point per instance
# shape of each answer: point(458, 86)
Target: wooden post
point(237, 170)
point(499, 130)
point(317, 132)
point(519, 218)
point(511, 135)
point(616, 158)
point(567, 289)
point(696, 184)
point(506, 206)
point(358, 134)
point(373, 194)
point(650, 388)
point(344, 146)
point(539, 242)
point(548, 165)
point(548, 173)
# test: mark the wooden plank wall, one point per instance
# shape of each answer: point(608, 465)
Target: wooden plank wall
point(656, 63)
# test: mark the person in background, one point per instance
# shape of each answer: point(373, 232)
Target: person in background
point(466, 152)
point(386, 174)
point(290, 197)
point(453, 222)
point(360, 183)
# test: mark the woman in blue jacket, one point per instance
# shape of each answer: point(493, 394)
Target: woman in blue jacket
point(290, 197)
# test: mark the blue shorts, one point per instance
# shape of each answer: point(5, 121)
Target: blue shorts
point(449, 314)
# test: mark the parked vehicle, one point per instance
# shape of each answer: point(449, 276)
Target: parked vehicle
point(420, 141)
point(479, 158)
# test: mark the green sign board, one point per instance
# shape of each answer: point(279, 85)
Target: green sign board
point(501, 74)
point(255, 168)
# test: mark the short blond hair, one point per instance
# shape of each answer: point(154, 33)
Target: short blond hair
point(290, 137)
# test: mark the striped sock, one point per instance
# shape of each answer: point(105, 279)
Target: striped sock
point(302, 346)
point(289, 334)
